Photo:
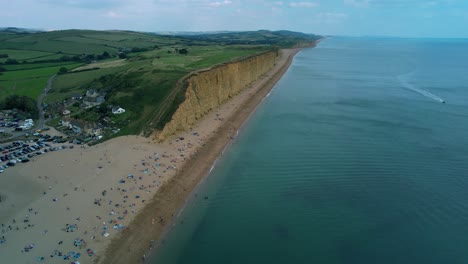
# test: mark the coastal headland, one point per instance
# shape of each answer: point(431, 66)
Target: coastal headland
point(114, 200)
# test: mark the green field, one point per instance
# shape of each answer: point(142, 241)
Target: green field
point(28, 66)
point(23, 54)
point(143, 82)
point(33, 73)
point(29, 87)
point(30, 82)
point(78, 82)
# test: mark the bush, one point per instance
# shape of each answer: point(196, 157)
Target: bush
point(11, 61)
point(22, 103)
point(63, 70)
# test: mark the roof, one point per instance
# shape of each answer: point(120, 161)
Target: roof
point(82, 124)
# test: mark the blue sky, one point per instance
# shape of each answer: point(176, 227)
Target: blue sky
point(406, 18)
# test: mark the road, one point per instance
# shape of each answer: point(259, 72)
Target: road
point(40, 122)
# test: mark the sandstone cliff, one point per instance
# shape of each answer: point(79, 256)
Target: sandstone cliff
point(207, 89)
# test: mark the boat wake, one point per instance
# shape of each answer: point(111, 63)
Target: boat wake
point(404, 81)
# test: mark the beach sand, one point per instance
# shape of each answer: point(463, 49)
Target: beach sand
point(115, 198)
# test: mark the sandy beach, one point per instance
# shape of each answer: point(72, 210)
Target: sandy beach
point(111, 202)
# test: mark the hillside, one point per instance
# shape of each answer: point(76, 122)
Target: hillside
point(133, 70)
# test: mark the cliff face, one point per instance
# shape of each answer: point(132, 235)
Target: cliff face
point(208, 89)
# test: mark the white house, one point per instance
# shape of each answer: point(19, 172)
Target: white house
point(65, 122)
point(117, 110)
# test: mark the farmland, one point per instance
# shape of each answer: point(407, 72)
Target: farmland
point(136, 71)
point(28, 82)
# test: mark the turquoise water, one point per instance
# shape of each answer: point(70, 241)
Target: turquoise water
point(353, 158)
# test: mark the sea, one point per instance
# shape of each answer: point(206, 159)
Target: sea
point(358, 155)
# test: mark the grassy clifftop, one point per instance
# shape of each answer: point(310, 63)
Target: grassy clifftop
point(136, 71)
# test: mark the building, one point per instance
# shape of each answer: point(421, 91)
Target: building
point(82, 127)
point(117, 110)
point(65, 122)
point(93, 98)
point(66, 112)
point(76, 126)
point(100, 99)
point(92, 93)
point(76, 96)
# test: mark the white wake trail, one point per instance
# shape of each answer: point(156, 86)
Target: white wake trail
point(404, 81)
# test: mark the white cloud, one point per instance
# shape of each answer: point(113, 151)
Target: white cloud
point(331, 18)
point(358, 3)
point(303, 4)
point(396, 3)
point(91, 4)
point(223, 3)
point(112, 14)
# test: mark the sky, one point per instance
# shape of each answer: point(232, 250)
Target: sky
point(403, 18)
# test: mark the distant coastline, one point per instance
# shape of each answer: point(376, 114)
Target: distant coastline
point(135, 242)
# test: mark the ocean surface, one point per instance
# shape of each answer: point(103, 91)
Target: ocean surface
point(359, 155)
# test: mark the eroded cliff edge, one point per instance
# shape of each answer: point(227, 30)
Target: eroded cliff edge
point(208, 89)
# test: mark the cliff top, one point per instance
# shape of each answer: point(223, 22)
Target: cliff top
point(136, 71)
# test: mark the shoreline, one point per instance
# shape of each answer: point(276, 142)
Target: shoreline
point(169, 201)
point(120, 197)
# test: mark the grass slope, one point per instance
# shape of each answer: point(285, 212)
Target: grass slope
point(143, 81)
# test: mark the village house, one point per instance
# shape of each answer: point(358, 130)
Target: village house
point(76, 126)
point(92, 93)
point(76, 96)
point(93, 98)
point(82, 127)
point(65, 122)
point(117, 110)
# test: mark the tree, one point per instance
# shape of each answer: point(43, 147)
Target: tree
point(122, 55)
point(90, 57)
point(22, 103)
point(2, 69)
point(63, 70)
point(183, 51)
point(11, 61)
point(65, 58)
point(102, 109)
point(136, 49)
point(103, 56)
